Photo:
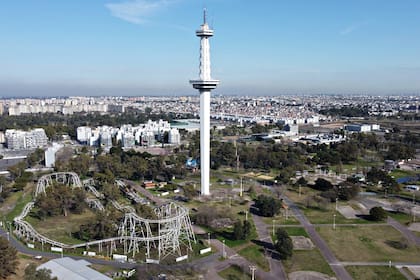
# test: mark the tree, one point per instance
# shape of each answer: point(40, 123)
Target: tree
point(8, 258)
point(31, 273)
point(323, 185)
point(267, 205)
point(377, 213)
point(238, 231)
point(284, 244)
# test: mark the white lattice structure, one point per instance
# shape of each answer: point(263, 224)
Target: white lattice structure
point(66, 178)
point(171, 228)
point(166, 233)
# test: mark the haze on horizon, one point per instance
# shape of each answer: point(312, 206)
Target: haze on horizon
point(148, 47)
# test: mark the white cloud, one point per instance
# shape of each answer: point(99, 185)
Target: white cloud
point(351, 28)
point(137, 11)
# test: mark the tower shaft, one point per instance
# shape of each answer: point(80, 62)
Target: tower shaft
point(205, 84)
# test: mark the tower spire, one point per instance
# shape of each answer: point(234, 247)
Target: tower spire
point(205, 16)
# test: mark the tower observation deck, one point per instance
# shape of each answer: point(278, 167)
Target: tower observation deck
point(205, 84)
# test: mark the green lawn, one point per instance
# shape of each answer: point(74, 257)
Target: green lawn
point(401, 217)
point(60, 228)
point(234, 272)
point(22, 200)
point(398, 173)
point(307, 260)
point(368, 243)
point(374, 273)
point(296, 231)
point(254, 254)
point(326, 216)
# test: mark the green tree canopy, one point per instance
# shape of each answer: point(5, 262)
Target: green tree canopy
point(284, 244)
point(267, 205)
point(8, 258)
point(31, 273)
point(378, 213)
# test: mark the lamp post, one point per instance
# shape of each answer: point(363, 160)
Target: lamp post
point(334, 221)
point(253, 268)
point(208, 235)
point(223, 249)
point(273, 227)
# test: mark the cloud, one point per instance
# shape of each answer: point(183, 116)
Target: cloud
point(137, 11)
point(353, 27)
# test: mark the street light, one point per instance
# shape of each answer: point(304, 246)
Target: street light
point(208, 234)
point(273, 227)
point(223, 249)
point(334, 221)
point(253, 268)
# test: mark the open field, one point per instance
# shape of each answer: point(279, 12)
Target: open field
point(60, 228)
point(254, 254)
point(376, 243)
point(307, 260)
point(374, 273)
point(296, 231)
point(326, 216)
point(15, 203)
point(234, 273)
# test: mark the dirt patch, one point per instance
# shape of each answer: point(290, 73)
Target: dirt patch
point(348, 212)
point(309, 275)
point(414, 227)
point(302, 243)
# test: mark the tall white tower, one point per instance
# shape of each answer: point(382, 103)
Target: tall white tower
point(205, 84)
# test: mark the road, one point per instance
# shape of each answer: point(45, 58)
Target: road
point(276, 267)
point(408, 234)
point(335, 265)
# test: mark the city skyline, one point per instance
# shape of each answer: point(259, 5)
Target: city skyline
point(138, 47)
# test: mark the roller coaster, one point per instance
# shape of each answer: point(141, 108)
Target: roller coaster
point(165, 234)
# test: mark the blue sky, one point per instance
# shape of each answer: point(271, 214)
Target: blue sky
point(141, 47)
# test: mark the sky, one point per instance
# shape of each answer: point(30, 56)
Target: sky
point(265, 47)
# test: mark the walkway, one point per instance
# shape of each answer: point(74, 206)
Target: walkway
point(408, 234)
point(335, 265)
point(276, 267)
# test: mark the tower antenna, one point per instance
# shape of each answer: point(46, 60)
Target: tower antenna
point(205, 16)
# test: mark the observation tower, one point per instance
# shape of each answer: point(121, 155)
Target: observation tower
point(204, 85)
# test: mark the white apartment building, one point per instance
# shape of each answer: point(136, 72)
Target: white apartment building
point(20, 140)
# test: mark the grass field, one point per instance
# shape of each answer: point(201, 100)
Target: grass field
point(254, 254)
point(16, 202)
point(325, 216)
point(60, 228)
point(368, 243)
point(374, 273)
point(296, 231)
point(401, 217)
point(234, 273)
point(308, 260)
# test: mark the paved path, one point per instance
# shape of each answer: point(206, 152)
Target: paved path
point(408, 234)
point(232, 258)
point(335, 265)
point(276, 267)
